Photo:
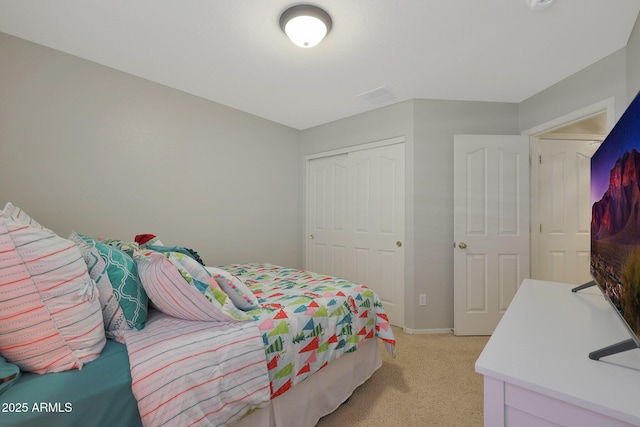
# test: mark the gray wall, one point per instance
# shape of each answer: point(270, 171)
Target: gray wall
point(428, 127)
point(375, 125)
point(436, 123)
point(602, 80)
point(633, 63)
point(84, 147)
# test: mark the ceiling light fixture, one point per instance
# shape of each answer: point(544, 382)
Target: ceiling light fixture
point(538, 4)
point(305, 24)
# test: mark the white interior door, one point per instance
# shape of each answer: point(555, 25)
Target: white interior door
point(377, 255)
point(327, 197)
point(355, 221)
point(491, 228)
point(564, 210)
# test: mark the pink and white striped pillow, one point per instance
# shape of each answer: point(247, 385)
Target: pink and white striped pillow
point(180, 287)
point(50, 317)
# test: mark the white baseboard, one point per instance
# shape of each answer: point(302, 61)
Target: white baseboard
point(427, 331)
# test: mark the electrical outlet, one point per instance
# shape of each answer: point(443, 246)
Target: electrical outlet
point(422, 299)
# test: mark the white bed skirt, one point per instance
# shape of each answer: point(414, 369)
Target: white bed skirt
point(320, 394)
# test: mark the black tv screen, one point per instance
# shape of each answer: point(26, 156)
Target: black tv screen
point(615, 218)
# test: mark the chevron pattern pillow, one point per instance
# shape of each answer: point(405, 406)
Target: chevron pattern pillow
point(124, 305)
point(116, 276)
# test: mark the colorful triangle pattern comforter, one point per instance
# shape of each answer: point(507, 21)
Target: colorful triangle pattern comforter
point(308, 319)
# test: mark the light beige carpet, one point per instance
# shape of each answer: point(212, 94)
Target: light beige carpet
point(432, 382)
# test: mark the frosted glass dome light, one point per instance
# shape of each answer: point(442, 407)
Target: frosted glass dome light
point(305, 25)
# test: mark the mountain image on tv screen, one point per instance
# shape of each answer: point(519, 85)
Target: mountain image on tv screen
point(615, 216)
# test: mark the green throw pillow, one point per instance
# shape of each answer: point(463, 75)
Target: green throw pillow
point(123, 275)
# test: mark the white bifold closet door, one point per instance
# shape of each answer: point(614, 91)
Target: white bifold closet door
point(355, 221)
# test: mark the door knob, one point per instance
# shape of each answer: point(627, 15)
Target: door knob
point(462, 245)
point(398, 243)
point(311, 236)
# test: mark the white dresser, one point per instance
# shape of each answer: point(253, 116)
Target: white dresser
point(536, 366)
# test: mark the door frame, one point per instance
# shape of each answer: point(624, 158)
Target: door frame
point(606, 106)
point(360, 147)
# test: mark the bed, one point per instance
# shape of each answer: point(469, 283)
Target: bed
point(242, 344)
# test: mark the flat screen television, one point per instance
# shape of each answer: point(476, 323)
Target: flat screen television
point(615, 224)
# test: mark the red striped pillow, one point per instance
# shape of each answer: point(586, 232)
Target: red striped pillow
point(50, 317)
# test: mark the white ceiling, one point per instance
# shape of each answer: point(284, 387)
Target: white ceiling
point(234, 53)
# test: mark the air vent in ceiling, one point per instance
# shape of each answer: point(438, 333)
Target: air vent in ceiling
point(538, 4)
point(378, 96)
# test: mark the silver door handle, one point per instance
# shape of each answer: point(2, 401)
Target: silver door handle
point(462, 245)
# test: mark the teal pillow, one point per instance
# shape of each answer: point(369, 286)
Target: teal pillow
point(9, 374)
point(123, 275)
point(179, 249)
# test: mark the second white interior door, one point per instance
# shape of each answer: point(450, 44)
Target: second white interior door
point(564, 210)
